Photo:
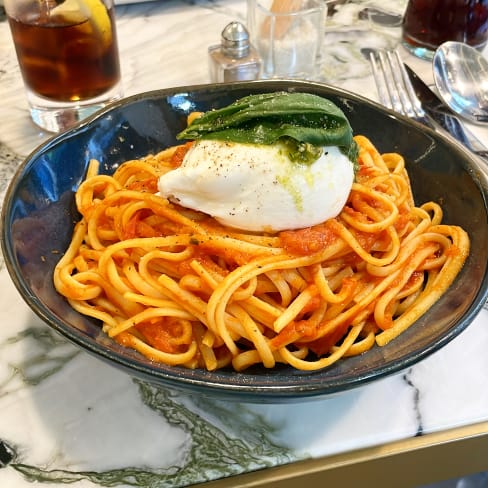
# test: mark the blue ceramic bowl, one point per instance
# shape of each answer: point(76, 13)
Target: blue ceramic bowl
point(39, 214)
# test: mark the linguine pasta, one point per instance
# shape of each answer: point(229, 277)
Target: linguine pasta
point(182, 289)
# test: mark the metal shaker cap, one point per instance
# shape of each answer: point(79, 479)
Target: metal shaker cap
point(235, 40)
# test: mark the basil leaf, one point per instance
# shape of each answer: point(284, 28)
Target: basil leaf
point(265, 118)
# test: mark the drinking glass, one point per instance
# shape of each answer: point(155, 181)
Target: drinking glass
point(288, 35)
point(429, 23)
point(68, 57)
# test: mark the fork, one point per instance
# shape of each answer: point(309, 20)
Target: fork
point(395, 89)
point(393, 84)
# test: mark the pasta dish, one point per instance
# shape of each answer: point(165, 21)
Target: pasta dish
point(182, 288)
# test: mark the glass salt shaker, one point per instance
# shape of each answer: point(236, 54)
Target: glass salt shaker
point(234, 59)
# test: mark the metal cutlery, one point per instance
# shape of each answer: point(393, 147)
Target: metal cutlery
point(395, 84)
point(443, 115)
point(461, 75)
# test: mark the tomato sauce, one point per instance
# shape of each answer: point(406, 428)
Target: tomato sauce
point(179, 154)
point(309, 240)
point(324, 344)
point(163, 334)
point(292, 332)
point(147, 185)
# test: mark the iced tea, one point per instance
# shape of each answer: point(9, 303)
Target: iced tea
point(66, 55)
point(429, 23)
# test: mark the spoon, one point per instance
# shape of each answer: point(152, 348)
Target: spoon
point(461, 77)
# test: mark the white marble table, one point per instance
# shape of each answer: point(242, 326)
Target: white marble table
point(67, 418)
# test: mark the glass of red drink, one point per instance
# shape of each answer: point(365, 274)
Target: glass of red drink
point(68, 57)
point(429, 23)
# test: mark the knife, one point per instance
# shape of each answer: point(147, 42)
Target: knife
point(440, 115)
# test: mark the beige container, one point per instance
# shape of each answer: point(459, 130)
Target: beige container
point(288, 35)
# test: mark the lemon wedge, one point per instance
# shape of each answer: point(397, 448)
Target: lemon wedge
point(94, 10)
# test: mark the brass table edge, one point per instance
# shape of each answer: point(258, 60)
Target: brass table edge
point(405, 463)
